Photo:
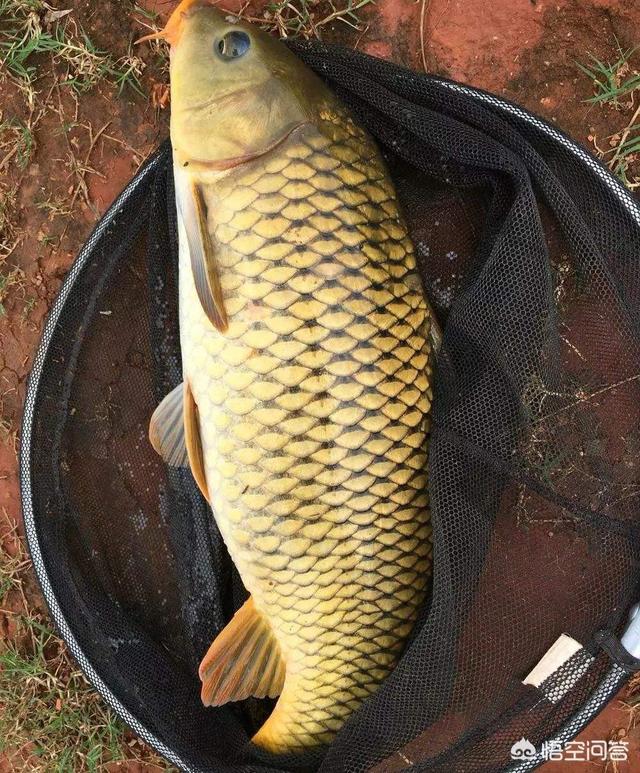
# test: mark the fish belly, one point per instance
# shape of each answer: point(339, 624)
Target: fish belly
point(314, 415)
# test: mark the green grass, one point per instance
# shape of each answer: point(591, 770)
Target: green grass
point(612, 81)
point(51, 720)
point(23, 38)
point(146, 14)
point(49, 702)
point(54, 206)
point(628, 151)
point(17, 134)
point(49, 705)
point(617, 86)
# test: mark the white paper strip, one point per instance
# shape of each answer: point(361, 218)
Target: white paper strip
point(556, 656)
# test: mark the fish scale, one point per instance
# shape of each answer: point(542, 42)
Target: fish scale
point(313, 413)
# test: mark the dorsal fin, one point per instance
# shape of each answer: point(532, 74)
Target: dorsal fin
point(243, 661)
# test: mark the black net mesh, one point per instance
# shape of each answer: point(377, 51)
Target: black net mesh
point(531, 258)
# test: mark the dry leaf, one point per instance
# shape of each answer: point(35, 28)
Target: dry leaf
point(160, 95)
point(51, 16)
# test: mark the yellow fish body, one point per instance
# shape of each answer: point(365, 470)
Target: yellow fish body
point(304, 410)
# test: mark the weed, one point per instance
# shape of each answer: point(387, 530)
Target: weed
point(54, 206)
point(145, 13)
point(17, 136)
point(27, 308)
point(12, 278)
point(11, 564)
point(63, 39)
point(51, 718)
point(50, 706)
point(9, 237)
point(617, 86)
point(45, 50)
point(159, 47)
point(625, 155)
point(306, 18)
point(612, 81)
point(127, 73)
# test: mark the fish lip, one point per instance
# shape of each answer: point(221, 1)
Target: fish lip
point(230, 163)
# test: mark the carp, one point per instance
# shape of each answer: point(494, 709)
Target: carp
point(304, 411)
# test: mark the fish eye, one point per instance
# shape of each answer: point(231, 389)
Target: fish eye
point(234, 44)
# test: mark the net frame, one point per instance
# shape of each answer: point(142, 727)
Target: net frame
point(614, 678)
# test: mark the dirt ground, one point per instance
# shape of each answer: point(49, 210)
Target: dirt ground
point(88, 147)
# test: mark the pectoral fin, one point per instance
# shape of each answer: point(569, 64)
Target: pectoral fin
point(244, 660)
point(166, 429)
point(204, 265)
point(174, 433)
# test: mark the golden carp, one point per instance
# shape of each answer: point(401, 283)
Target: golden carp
point(305, 406)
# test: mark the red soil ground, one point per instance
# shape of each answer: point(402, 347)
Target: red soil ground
point(523, 49)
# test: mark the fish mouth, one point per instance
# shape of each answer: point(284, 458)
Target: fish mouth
point(171, 33)
point(229, 163)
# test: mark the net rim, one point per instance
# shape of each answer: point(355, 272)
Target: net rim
point(613, 679)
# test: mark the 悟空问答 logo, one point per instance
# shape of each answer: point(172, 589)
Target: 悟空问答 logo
point(523, 750)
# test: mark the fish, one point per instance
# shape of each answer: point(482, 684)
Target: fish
point(304, 411)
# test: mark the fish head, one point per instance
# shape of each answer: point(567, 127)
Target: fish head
point(236, 92)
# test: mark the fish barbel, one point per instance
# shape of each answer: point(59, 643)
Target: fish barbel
point(304, 412)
